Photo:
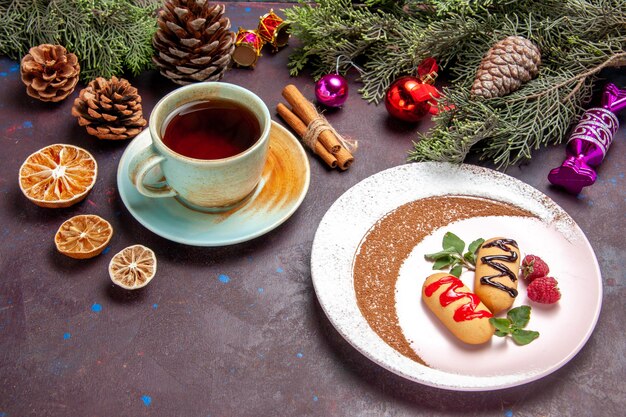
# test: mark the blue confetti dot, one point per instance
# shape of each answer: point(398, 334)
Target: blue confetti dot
point(508, 413)
point(96, 308)
point(3, 74)
point(66, 336)
point(14, 68)
point(299, 355)
point(27, 124)
point(106, 250)
point(3, 414)
point(279, 270)
point(147, 400)
point(155, 306)
point(315, 398)
point(248, 10)
point(224, 278)
point(260, 290)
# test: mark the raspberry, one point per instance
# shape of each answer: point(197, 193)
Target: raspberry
point(544, 290)
point(534, 267)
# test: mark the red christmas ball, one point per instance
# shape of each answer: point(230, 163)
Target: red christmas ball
point(409, 99)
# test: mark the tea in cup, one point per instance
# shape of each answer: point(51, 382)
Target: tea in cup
point(210, 140)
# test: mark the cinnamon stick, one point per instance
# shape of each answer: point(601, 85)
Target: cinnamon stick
point(307, 113)
point(300, 128)
point(344, 158)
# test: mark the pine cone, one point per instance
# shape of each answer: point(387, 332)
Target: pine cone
point(49, 72)
point(506, 66)
point(110, 109)
point(193, 41)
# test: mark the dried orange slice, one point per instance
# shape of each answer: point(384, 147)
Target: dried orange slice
point(58, 175)
point(133, 267)
point(83, 236)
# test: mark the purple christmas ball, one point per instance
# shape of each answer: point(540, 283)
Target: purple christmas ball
point(331, 90)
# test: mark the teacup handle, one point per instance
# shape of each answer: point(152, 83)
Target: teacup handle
point(140, 166)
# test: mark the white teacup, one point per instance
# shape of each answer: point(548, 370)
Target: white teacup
point(204, 184)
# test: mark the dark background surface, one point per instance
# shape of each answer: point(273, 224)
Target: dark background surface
point(72, 344)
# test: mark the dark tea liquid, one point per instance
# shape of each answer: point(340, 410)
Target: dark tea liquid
point(211, 129)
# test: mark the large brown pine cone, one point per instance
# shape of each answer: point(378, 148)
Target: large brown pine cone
point(193, 41)
point(110, 109)
point(506, 66)
point(49, 72)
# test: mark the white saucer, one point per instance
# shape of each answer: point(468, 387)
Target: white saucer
point(282, 188)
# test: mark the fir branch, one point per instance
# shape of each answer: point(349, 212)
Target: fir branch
point(459, 38)
point(506, 129)
point(616, 60)
point(108, 36)
point(389, 61)
point(577, 39)
point(346, 31)
point(12, 17)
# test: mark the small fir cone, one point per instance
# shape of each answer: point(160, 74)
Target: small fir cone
point(193, 41)
point(110, 109)
point(49, 72)
point(506, 66)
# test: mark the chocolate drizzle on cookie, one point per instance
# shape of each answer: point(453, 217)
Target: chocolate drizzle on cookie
point(492, 261)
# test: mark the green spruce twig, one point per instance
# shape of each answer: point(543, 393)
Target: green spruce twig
point(108, 36)
point(577, 39)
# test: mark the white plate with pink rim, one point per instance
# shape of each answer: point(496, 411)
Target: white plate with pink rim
point(447, 363)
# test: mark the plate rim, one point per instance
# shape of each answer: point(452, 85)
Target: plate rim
point(123, 182)
point(422, 373)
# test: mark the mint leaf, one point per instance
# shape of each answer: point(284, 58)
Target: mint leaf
point(524, 337)
point(440, 254)
point(470, 257)
point(443, 262)
point(473, 247)
point(450, 240)
point(519, 316)
point(502, 325)
point(456, 271)
point(452, 255)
